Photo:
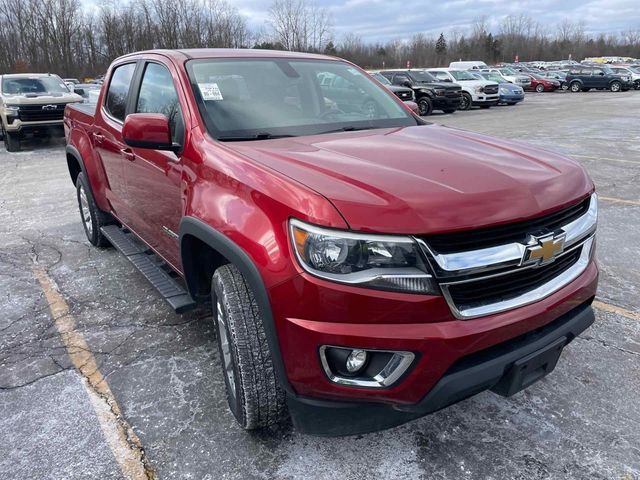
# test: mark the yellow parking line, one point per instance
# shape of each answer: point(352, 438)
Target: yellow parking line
point(618, 200)
point(607, 307)
point(122, 440)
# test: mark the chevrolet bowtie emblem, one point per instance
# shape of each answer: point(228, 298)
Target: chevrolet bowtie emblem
point(545, 249)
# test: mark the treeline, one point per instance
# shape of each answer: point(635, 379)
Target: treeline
point(62, 36)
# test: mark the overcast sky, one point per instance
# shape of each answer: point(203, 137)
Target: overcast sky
point(383, 20)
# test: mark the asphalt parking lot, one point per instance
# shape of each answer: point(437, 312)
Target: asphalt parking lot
point(100, 379)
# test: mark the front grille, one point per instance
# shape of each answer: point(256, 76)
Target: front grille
point(454, 93)
point(505, 287)
point(35, 113)
point(513, 232)
point(491, 89)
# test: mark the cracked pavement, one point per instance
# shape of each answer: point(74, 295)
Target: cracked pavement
point(582, 421)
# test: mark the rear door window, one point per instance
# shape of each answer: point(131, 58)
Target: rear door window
point(116, 102)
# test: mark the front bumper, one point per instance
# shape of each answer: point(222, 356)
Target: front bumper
point(496, 368)
point(447, 103)
point(481, 99)
point(35, 128)
point(511, 98)
point(340, 315)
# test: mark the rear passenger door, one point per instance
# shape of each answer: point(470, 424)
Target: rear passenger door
point(600, 79)
point(107, 136)
point(154, 176)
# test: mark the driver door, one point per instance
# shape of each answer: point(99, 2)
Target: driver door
point(153, 176)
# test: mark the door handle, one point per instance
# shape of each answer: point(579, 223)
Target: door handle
point(98, 138)
point(128, 154)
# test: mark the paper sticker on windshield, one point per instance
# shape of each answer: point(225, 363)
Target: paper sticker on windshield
point(353, 71)
point(210, 91)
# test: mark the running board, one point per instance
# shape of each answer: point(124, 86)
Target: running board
point(150, 266)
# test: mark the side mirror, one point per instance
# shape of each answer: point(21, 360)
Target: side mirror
point(148, 130)
point(407, 84)
point(79, 91)
point(447, 80)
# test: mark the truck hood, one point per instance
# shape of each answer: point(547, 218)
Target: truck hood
point(41, 99)
point(425, 179)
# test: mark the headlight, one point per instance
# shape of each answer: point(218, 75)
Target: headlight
point(479, 89)
point(375, 261)
point(440, 91)
point(11, 110)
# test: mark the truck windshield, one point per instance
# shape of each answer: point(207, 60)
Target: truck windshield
point(462, 75)
point(245, 99)
point(381, 78)
point(36, 85)
point(423, 77)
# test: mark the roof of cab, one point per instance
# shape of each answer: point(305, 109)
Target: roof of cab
point(200, 53)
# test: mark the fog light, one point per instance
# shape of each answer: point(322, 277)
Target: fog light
point(358, 367)
point(356, 360)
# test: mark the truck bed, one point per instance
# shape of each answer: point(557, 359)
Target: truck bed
point(86, 108)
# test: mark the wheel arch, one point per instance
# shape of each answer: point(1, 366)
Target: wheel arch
point(202, 250)
point(75, 163)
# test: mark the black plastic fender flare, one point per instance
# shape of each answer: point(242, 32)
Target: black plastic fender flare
point(237, 256)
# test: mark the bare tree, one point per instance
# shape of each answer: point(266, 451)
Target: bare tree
point(300, 25)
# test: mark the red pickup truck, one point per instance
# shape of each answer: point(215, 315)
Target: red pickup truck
point(363, 267)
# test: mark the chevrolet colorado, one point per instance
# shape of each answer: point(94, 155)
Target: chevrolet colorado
point(364, 268)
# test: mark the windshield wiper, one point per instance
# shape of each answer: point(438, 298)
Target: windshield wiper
point(348, 128)
point(257, 136)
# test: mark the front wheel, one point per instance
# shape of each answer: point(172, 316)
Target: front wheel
point(615, 86)
point(11, 141)
point(465, 102)
point(539, 88)
point(575, 87)
point(253, 393)
point(425, 106)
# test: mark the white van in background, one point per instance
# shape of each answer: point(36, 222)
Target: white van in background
point(475, 65)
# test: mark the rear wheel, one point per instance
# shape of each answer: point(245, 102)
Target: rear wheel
point(575, 87)
point(253, 393)
point(465, 102)
point(539, 88)
point(615, 86)
point(11, 141)
point(425, 106)
point(92, 217)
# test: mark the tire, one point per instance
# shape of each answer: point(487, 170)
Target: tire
point(575, 87)
point(615, 86)
point(11, 142)
point(425, 106)
point(449, 110)
point(539, 88)
point(253, 393)
point(466, 101)
point(91, 216)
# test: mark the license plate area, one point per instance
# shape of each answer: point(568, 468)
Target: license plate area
point(529, 369)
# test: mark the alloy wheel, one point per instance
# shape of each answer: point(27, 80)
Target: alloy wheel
point(226, 348)
point(85, 212)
